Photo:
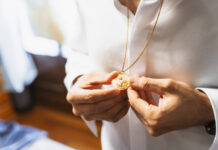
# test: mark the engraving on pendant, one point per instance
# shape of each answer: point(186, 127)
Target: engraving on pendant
point(121, 82)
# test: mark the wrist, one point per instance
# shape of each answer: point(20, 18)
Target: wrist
point(207, 110)
point(209, 119)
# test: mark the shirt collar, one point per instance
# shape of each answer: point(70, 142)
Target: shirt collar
point(146, 11)
point(121, 8)
point(168, 5)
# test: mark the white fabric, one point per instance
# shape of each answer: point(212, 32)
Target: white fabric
point(16, 37)
point(46, 144)
point(31, 43)
point(17, 67)
point(184, 48)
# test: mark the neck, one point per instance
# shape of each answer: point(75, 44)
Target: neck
point(133, 4)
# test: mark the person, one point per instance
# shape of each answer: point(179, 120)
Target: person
point(173, 90)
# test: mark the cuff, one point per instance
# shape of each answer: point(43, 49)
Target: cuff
point(212, 93)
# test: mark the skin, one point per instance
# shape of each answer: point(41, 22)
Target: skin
point(88, 99)
point(133, 4)
point(180, 105)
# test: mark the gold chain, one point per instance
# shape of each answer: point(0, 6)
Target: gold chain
point(146, 44)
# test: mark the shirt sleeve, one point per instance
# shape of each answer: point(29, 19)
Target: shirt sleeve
point(212, 93)
point(78, 64)
point(79, 61)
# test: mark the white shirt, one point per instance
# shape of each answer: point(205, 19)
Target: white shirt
point(184, 48)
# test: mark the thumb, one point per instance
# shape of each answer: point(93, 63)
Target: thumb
point(141, 106)
point(105, 79)
point(110, 77)
point(149, 84)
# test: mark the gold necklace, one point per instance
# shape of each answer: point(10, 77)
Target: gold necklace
point(122, 81)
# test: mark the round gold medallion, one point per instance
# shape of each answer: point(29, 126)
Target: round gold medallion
point(121, 82)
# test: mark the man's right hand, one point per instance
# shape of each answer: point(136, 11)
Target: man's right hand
point(94, 103)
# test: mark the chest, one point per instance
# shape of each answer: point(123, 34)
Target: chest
point(184, 46)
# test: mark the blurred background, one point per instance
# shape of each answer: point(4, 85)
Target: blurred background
point(35, 37)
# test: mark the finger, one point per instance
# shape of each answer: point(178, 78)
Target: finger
point(78, 95)
point(115, 110)
point(142, 94)
point(143, 83)
point(104, 78)
point(137, 76)
point(123, 94)
point(91, 86)
point(133, 96)
point(94, 108)
point(140, 105)
point(150, 98)
point(147, 96)
point(109, 114)
point(122, 113)
point(140, 117)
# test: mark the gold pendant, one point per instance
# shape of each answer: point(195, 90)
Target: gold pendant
point(121, 82)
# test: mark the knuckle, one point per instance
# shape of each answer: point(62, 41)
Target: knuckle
point(72, 95)
point(169, 84)
point(155, 120)
point(69, 97)
point(76, 111)
point(145, 82)
point(133, 102)
point(158, 115)
point(153, 113)
point(154, 132)
point(89, 98)
point(154, 124)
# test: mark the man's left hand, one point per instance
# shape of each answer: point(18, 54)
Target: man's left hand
point(180, 106)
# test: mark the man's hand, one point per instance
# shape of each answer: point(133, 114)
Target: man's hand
point(180, 106)
point(94, 103)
